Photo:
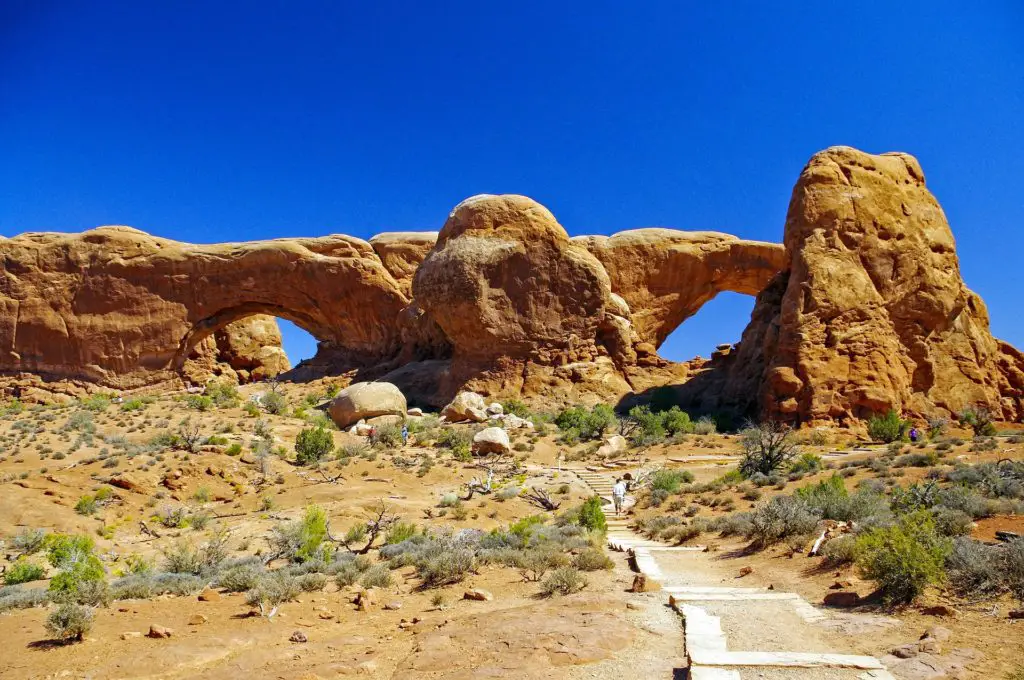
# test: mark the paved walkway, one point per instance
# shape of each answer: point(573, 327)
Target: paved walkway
point(735, 633)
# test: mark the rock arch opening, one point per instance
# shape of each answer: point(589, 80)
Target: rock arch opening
point(718, 321)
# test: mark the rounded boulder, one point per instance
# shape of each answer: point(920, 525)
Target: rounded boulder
point(491, 440)
point(366, 400)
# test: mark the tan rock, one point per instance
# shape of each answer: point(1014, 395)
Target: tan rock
point(366, 400)
point(466, 406)
point(491, 440)
point(157, 631)
point(197, 620)
point(208, 594)
point(478, 594)
point(643, 584)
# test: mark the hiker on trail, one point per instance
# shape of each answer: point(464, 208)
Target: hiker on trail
point(619, 494)
point(914, 434)
point(405, 433)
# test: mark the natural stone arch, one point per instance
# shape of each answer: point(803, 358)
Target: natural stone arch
point(115, 305)
point(211, 324)
point(666, 275)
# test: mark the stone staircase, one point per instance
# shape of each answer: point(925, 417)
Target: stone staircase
point(704, 607)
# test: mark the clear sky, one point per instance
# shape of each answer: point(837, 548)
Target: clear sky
point(231, 121)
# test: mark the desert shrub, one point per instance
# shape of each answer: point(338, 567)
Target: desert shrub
point(950, 522)
point(806, 463)
point(563, 581)
point(97, 403)
point(29, 541)
point(682, 533)
point(183, 557)
point(828, 498)
point(222, 393)
point(303, 539)
point(1013, 568)
point(274, 402)
point(271, 590)
point(780, 518)
point(199, 402)
point(592, 559)
point(766, 448)
point(445, 568)
point(963, 499)
point(517, 408)
point(591, 516)
point(240, 578)
point(914, 497)
point(23, 571)
point(377, 576)
point(839, 550)
point(903, 559)
point(80, 570)
point(584, 424)
point(400, 531)
point(888, 428)
point(916, 460)
point(386, 436)
point(974, 569)
point(311, 583)
point(706, 425)
point(979, 419)
point(670, 480)
point(676, 421)
point(69, 622)
point(18, 597)
point(312, 445)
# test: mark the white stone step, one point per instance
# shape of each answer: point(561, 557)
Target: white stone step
point(710, 657)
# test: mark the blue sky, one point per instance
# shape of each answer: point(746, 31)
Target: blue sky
point(265, 119)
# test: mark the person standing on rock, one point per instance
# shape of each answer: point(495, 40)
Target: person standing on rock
point(619, 494)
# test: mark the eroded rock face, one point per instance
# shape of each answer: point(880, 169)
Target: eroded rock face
point(243, 351)
point(872, 312)
point(121, 308)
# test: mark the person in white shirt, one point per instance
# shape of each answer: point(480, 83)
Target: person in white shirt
point(619, 494)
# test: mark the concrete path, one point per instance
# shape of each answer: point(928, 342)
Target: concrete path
point(720, 622)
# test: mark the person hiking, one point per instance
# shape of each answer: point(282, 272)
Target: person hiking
point(405, 433)
point(619, 494)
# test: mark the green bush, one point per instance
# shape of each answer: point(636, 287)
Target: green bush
point(222, 393)
point(888, 428)
point(592, 559)
point(274, 402)
point(978, 419)
point(676, 421)
point(86, 505)
point(516, 408)
point(199, 402)
point(584, 424)
point(650, 426)
point(400, 531)
point(780, 518)
point(806, 463)
point(905, 558)
point(840, 550)
point(563, 581)
point(767, 447)
point(669, 481)
point(387, 436)
point(312, 445)
point(69, 622)
point(591, 516)
point(305, 539)
point(828, 497)
point(23, 571)
point(446, 568)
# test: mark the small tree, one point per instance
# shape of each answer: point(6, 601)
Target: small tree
point(69, 622)
point(591, 516)
point(979, 419)
point(313, 444)
point(766, 448)
point(888, 428)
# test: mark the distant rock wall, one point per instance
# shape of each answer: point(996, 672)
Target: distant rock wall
point(862, 308)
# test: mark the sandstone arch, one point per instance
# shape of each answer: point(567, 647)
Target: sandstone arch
point(666, 275)
point(117, 306)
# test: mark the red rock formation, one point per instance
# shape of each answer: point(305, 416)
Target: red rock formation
point(872, 312)
point(243, 351)
point(120, 308)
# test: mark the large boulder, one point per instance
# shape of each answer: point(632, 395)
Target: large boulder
point(366, 400)
point(491, 440)
point(466, 406)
